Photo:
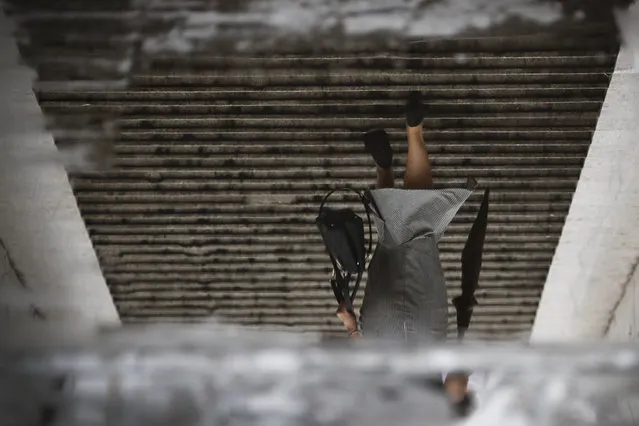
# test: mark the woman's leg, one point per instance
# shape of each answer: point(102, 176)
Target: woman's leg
point(385, 178)
point(418, 174)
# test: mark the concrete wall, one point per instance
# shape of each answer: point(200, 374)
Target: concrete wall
point(591, 287)
point(625, 321)
point(50, 280)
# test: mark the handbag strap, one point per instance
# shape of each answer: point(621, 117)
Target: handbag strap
point(338, 287)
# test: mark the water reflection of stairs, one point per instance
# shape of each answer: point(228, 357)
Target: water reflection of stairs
point(221, 161)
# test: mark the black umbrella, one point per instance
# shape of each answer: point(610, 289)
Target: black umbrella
point(471, 266)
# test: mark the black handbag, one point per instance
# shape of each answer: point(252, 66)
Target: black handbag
point(342, 231)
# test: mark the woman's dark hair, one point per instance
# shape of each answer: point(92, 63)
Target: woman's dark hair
point(464, 407)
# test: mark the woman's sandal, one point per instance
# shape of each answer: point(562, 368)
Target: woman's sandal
point(377, 144)
point(414, 109)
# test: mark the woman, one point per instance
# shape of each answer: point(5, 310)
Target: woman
point(405, 298)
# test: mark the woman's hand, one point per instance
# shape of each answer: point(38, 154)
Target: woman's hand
point(456, 385)
point(348, 318)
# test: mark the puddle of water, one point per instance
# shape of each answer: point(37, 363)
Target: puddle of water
point(199, 375)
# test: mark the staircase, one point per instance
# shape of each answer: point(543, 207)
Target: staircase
point(220, 163)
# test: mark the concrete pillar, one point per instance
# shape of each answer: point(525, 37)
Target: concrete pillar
point(593, 277)
point(50, 280)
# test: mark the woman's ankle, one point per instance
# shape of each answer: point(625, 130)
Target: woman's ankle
point(415, 130)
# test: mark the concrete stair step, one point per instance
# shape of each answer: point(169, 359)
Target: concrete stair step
point(281, 298)
point(291, 315)
point(344, 149)
point(248, 199)
point(324, 302)
point(364, 175)
point(172, 254)
point(213, 263)
point(284, 292)
point(206, 213)
point(577, 38)
point(315, 285)
point(337, 72)
point(504, 222)
point(524, 90)
point(512, 277)
point(331, 135)
point(321, 300)
point(501, 120)
point(276, 80)
point(461, 60)
point(200, 235)
point(204, 246)
point(351, 107)
point(81, 186)
point(354, 162)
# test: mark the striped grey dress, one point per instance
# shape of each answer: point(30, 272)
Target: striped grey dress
point(405, 297)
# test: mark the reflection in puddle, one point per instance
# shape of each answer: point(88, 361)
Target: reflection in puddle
point(201, 376)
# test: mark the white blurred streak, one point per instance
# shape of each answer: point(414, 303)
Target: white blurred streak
point(217, 374)
point(292, 18)
point(448, 18)
point(628, 23)
point(77, 157)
